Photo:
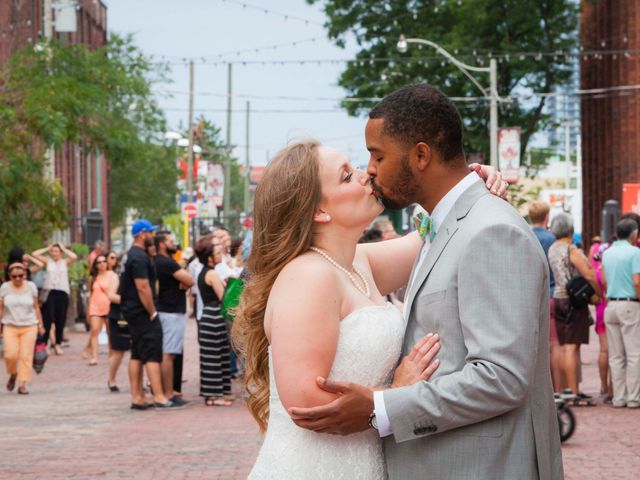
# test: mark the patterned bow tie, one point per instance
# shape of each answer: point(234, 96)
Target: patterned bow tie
point(424, 225)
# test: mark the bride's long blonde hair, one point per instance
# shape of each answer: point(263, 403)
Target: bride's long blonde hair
point(284, 206)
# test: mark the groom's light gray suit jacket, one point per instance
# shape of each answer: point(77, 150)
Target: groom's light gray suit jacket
point(488, 412)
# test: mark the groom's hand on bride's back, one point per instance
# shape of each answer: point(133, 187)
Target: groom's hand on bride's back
point(349, 413)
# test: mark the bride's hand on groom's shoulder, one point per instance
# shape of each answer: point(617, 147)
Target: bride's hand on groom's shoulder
point(419, 364)
point(492, 177)
point(349, 413)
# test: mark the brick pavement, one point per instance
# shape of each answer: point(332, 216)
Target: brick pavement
point(72, 427)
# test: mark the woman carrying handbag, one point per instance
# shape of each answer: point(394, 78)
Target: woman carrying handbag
point(576, 287)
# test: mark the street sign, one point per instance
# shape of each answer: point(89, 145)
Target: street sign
point(189, 211)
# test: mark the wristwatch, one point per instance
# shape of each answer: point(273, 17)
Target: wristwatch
point(373, 422)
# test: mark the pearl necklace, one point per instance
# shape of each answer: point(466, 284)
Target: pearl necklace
point(366, 291)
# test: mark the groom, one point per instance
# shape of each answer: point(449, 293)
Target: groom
point(482, 284)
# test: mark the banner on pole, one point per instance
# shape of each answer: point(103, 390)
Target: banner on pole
point(509, 153)
point(215, 184)
point(255, 175)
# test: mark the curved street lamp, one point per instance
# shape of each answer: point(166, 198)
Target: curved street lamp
point(492, 94)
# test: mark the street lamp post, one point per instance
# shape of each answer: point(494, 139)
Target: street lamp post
point(492, 94)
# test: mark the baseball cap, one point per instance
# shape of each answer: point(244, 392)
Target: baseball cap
point(142, 225)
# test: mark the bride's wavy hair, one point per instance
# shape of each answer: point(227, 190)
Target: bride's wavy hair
point(283, 210)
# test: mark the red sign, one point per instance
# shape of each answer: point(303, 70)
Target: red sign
point(631, 197)
point(189, 211)
point(184, 168)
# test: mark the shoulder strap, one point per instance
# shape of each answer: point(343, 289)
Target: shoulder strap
point(570, 269)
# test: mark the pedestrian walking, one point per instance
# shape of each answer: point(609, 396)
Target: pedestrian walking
point(597, 312)
point(138, 305)
point(572, 323)
point(173, 282)
point(57, 259)
point(621, 264)
point(99, 305)
point(539, 216)
point(119, 336)
point(213, 333)
point(21, 324)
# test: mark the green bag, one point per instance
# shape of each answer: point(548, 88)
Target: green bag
point(231, 297)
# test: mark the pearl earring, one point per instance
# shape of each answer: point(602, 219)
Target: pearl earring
point(328, 217)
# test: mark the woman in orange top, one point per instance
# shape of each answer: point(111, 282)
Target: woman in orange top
point(99, 304)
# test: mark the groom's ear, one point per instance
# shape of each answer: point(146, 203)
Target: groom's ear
point(423, 155)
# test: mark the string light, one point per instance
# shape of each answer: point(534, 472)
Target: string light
point(566, 56)
point(267, 11)
point(620, 89)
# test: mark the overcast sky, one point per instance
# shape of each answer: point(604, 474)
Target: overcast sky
point(207, 28)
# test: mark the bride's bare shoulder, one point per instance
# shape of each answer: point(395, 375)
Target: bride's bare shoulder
point(306, 279)
point(305, 269)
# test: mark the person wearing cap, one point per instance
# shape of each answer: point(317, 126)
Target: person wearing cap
point(621, 279)
point(138, 307)
point(21, 323)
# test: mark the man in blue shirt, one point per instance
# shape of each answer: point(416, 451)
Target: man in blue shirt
point(621, 264)
point(539, 216)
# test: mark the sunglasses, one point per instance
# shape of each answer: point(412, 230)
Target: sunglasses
point(100, 261)
point(15, 277)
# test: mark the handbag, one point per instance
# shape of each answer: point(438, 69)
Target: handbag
point(231, 297)
point(579, 289)
point(40, 354)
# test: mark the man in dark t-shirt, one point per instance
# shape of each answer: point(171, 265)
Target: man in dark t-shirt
point(173, 282)
point(138, 306)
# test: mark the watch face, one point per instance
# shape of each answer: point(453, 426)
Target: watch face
point(373, 421)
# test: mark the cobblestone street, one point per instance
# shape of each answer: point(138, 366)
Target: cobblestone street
point(71, 426)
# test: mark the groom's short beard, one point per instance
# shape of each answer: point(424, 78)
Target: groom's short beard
point(404, 190)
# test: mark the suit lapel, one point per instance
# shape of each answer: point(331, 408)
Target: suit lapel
point(445, 233)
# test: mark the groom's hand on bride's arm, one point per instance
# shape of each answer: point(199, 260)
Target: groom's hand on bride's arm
point(492, 178)
point(349, 413)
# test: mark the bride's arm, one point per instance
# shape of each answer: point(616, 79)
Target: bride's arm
point(391, 260)
point(305, 315)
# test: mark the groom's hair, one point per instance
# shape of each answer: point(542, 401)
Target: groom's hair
point(422, 113)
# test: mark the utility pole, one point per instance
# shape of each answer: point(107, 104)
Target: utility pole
point(247, 167)
point(190, 147)
point(227, 160)
point(567, 153)
point(493, 114)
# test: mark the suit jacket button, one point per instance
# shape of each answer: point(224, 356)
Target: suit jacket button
point(432, 428)
point(420, 431)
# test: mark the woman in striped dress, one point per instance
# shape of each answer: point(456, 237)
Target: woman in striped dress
point(213, 333)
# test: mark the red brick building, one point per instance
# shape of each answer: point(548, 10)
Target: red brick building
point(611, 120)
point(84, 176)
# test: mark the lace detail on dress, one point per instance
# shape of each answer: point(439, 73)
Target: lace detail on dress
point(369, 346)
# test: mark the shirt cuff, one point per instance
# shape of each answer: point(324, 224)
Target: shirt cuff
point(384, 425)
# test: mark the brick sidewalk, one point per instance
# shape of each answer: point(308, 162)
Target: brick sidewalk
point(72, 427)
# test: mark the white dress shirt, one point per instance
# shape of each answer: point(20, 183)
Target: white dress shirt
point(440, 212)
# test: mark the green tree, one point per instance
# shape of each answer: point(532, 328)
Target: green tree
point(529, 37)
point(99, 99)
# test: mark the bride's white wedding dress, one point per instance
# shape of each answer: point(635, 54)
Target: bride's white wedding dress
point(369, 346)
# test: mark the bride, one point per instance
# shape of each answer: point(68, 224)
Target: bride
point(314, 307)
